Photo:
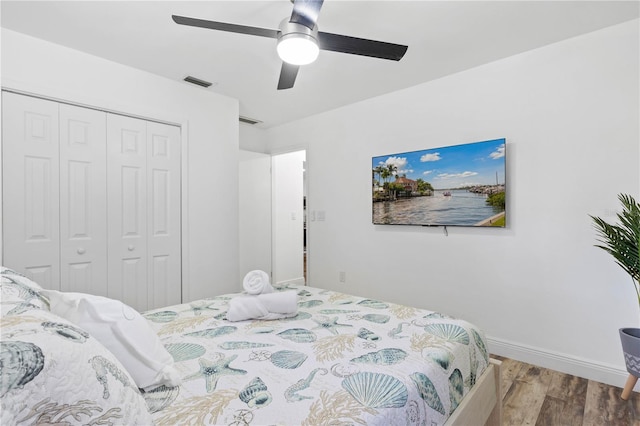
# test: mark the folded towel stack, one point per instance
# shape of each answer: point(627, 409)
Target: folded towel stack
point(263, 306)
point(257, 282)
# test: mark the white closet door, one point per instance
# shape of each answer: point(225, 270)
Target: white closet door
point(127, 210)
point(83, 200)
point(163, 226)
point(30, 188)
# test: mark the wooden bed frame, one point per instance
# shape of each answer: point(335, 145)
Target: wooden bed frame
point(483, 404)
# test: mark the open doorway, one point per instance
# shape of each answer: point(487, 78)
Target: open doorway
point(289, 236)
point(272, 218)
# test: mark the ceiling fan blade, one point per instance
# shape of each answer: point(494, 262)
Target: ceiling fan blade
point(223, 26)
point(288, 75)
point(305, 12)
point(361, 46)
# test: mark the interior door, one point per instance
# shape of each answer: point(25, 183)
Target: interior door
point(83, 200)
point(255, 212)
point(127, 210)
point(31, 211)
point(163, 224)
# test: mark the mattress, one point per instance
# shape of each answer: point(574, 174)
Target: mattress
point(341, 360)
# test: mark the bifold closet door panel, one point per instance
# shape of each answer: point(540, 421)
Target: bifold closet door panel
point(163, 226)
point(83, 200)
point(127, 210)
point(30, 204)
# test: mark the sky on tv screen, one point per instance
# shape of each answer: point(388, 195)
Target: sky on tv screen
point(478, 163)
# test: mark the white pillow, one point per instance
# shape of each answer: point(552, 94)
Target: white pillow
point(123, 331)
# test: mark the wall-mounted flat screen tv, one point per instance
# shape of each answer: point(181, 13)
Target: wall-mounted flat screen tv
point(461, 185)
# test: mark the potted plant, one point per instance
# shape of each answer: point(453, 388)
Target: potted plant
point(622, 241)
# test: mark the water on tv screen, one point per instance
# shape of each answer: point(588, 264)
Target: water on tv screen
point(461, 185)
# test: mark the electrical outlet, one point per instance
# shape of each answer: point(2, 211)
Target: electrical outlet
point(343, 277)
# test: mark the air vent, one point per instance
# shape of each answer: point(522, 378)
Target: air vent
point(197, 81)
point(249, 120)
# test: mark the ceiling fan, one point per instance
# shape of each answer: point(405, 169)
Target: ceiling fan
point(299, 40)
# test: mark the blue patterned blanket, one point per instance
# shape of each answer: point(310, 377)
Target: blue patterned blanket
point(342, 360)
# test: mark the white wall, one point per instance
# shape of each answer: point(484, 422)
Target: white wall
point(253, 138)
point(540, 290)
point(210, 142)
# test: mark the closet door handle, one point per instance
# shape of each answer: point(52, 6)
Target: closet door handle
point(131, 248)
point(81, 250)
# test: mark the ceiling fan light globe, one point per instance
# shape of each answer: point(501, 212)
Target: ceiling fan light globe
point(298, 49)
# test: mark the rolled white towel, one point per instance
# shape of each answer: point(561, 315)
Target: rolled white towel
point(284, 302)
point(257, 282)
point(263, 307)
point(246, 307)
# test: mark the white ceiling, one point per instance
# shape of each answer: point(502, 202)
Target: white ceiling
point(444, 37)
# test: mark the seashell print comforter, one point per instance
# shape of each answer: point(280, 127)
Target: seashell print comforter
point(341, 360)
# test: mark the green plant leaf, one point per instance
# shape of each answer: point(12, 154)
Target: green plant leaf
point(622, 240)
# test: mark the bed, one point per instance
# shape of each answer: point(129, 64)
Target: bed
point(341, 360)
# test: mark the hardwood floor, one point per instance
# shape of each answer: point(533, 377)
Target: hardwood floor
point(538, 396)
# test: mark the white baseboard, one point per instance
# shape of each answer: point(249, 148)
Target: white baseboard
point(604, 373)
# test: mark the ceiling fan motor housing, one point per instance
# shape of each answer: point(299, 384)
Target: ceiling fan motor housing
point(302, 40)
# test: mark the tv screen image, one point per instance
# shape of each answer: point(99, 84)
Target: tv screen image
point(461, 185)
